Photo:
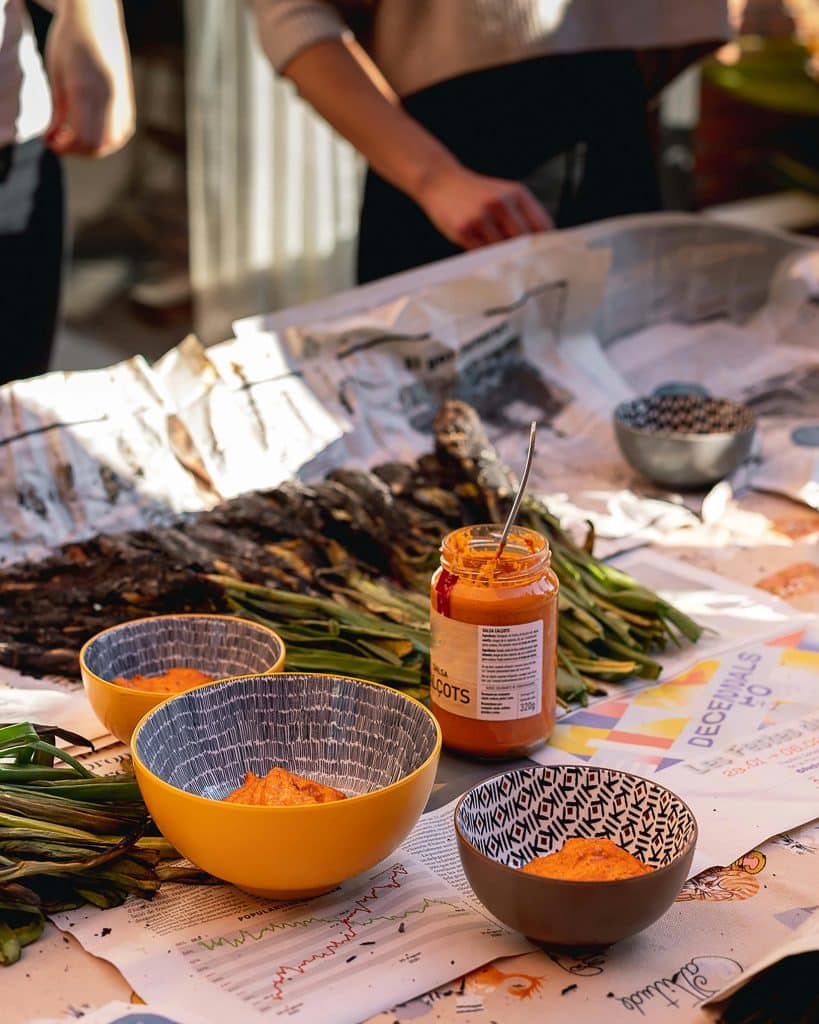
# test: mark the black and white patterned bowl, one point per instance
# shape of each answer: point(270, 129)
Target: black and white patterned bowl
point(684, 440)
point(506, 821)
point(218, 645)
point(376, 744)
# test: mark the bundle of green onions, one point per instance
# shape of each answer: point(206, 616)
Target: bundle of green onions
point(68, 836)
point(608, 625)
point(367, 629)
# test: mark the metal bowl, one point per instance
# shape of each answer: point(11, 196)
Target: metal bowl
point(684, 440)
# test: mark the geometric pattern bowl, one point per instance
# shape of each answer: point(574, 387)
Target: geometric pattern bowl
point(506, 821)
point(376, 744)
point(219, 645)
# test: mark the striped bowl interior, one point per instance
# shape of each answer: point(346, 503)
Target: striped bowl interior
point(343, 732)
point(220, 646)
point(527, 813)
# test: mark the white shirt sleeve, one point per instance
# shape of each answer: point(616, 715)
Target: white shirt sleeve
point(25, 99)
point(286, 27)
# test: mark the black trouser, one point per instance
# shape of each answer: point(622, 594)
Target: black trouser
point(31, 256)
point(588, 110)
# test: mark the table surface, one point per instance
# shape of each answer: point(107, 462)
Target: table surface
point(761, 536)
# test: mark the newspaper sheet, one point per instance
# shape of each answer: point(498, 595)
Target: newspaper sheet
point(245, 418)
point(722, 922)
point(382, 938)
point(513, 339)
point(557, 328)
point(674, 280)
point(49, 701)
point(86, 452)
point(753, 788)
point(676, 306)
point(389, 367)
point(717, 699)
point(128, 1013)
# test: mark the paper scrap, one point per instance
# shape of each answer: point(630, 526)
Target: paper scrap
point(127, 1013)
point(751, 789)
point(716, 700)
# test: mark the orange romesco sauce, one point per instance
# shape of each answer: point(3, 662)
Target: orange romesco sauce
point(175, 680)
point(282, 788)
point(474, 587)
point(588, 860)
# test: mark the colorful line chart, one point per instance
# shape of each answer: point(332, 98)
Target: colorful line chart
point(398, 922)
point(380, 939)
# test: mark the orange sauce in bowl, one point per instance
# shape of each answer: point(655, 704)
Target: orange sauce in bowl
point(282, 788)
point(175, 680)
point(588, 860)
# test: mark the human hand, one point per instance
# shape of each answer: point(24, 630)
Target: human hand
point(472, 209)
point(89, 70)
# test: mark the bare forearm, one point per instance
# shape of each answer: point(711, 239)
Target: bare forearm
point(106, 16)
point(346, 88)
point(89, 72)
point(338, 79)
point(99, 8)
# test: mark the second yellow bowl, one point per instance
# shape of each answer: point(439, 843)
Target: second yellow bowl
point(219, 645)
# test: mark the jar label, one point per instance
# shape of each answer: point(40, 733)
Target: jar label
point(486, 672)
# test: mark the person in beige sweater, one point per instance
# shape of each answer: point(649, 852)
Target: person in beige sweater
point(458, 106)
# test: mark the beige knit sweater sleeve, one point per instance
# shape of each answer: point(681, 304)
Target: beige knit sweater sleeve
point(416, 43)
point(286, 27)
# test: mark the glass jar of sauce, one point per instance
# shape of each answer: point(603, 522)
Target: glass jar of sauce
point(493, 657)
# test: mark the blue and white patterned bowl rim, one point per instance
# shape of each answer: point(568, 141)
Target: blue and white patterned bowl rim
point(512, 849)
point(415, 739)
point(220, 645)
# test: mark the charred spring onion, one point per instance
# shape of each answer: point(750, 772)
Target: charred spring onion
point(311, 560)
point(609, 624)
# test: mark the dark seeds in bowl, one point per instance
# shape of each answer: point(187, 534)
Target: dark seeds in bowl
point(685, 414)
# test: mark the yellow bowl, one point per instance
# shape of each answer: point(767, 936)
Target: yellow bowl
point(219, 645)
point(376, 744)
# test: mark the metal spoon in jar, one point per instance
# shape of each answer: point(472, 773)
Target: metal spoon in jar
point(513, 511)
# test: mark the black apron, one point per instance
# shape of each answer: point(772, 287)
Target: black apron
point(572, 127)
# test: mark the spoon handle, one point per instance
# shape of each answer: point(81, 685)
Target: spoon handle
point(513, 511)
